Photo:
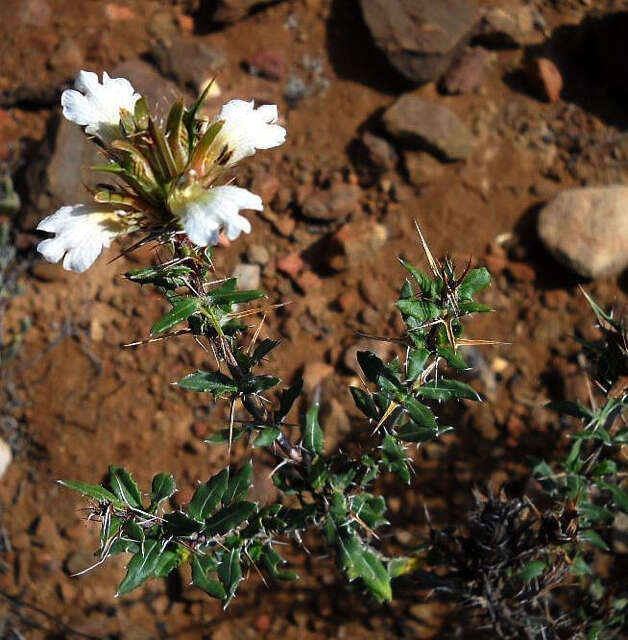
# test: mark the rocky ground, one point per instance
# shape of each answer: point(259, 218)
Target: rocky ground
point(498, 125)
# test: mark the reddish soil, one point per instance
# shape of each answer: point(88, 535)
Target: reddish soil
point(74, 400)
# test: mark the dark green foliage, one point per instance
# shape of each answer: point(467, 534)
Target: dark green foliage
point(220, 533)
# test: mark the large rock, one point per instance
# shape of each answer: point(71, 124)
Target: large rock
point(416, 122)
point(420, 37)
point(587, 229)
point(5, 457)
point(189, 62)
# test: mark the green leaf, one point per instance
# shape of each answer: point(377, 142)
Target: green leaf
point(123, 485)
point(230, 517)
point(179, 524)
point(421, 310)
point(272, 561)
point(428, 286)
point(475, 281)
point(287, 399)
point(230, 573)
point(446, 389)
point(621, 437)
point(239, 484)
point(207, 496)
point(359, 562)
point(532, 570)
point(454, 358)
point(143, 565)
point(416, 362)
point(571, 409)
point(594, 513)
point(94, 491)
point(163, 487)
point(394, 457)
point(201, 565)
point(313, 436)
point(594, 538)
point(581, 568)
point(225, 297)
point(467, 307)
point(263, 349)
point(370, 364)
point(209, 382)
point(255, 384)
point(364, 402)
point(182, 309)
point(133, 532)
point(420, 413)
point(412, 432)
point(267, 436)
point(620, 497)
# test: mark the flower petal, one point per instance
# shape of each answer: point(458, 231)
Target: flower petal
point(97, 106)
point(81, 232)
point(247, 129)
point(218, 208)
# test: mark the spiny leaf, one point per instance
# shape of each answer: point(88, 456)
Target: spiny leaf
point(208, 496)
point(150, 561)
point(123, 485)
point(267, 436)
point(211, 587)
point(475, 281)
point(230, 574)
point(364, 401)
point(163, 487)
point(421, 310)
point(447, 389)
point(287, 399)
point(98, 493)
point(209, 382)
point(182, 309)
point(313, 436)
point(239, 484)
point(179, 524)
point(230, 517)
point(359, 562)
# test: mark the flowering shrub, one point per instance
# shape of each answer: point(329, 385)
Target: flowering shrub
point(167, 184)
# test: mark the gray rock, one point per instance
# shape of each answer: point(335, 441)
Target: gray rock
point(333, 204)
point(416, 122)
point(422, 167)
point(467, 73)
point(586, 229)
point(512, 24)
point(248, 276)
point(258, 254)
point(381, 153)
point(190, 63)
point(5, 457)
point(420, 37)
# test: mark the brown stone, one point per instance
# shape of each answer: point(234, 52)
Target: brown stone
point(545, 77)
point(420, 38)
point(417, 122)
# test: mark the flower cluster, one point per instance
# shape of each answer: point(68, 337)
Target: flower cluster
point(168, 177)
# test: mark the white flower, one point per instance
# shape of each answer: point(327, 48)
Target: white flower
point(207, 212)
point(97, 106)
point(247, 129)
point(81, 232)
